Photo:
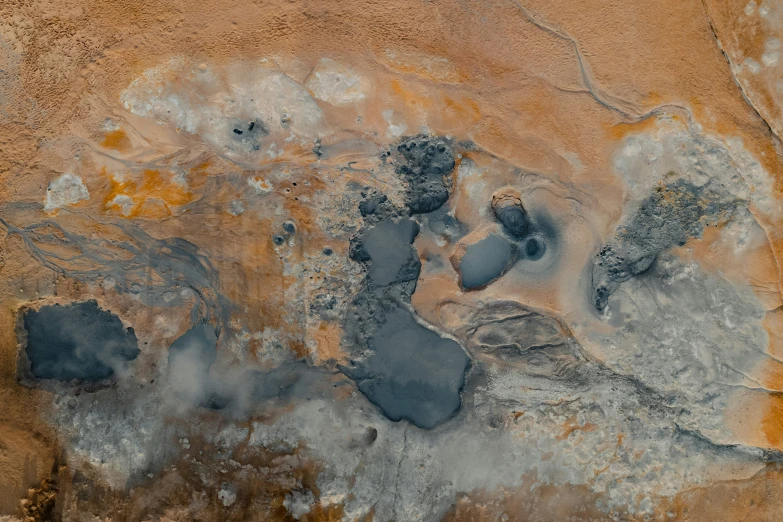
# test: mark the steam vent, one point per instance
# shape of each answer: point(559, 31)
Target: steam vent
point(399, 261)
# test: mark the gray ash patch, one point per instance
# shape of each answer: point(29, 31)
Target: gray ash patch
point(78, 341)
point(666, 218)
point(322, 305)
point(372, 203)
point(443, 224)
point(376, 207)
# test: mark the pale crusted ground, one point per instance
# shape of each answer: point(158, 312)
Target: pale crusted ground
point(185, 162)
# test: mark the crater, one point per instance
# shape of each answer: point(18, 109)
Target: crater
point(508, 209)
point(535, 248)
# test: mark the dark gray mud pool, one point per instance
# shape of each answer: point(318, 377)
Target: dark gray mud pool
point(77, 341)
point(485, 261)
point(412, 373)
point(405, 368)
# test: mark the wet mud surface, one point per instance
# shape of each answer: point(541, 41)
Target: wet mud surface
point(486, 260)
point(405, 368)
point(412, 373)
point(77, 341)
point(408, 370)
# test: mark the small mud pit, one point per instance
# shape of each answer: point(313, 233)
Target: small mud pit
point(535, 248)
point(77, 342)
point(486, 260)
point(248, 134)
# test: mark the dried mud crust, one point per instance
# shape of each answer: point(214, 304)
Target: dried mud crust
point(425, 163)
point(668, 217)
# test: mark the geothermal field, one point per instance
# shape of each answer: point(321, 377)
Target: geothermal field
point(391, 261)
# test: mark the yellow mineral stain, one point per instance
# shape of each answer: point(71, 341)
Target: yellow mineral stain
point(409, 96)
point(116, 140)
point(773, 324)
point(772, 422)
point(432, 68)
point(465, 108)
point(151, 195)
point(572, 425)
point(619, 131)
point(327, 337)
